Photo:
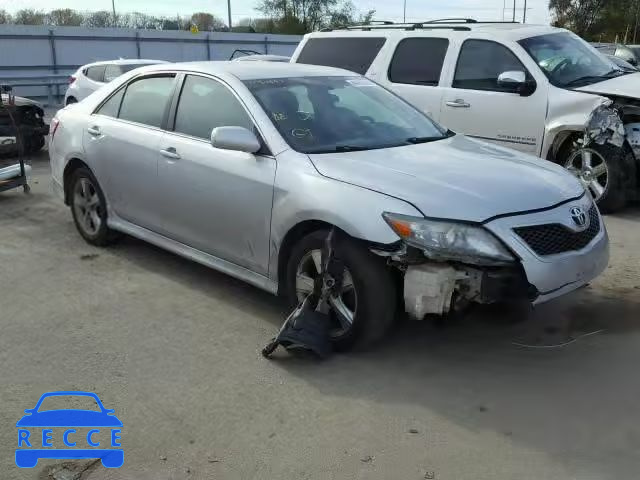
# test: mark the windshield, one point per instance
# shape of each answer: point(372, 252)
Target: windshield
point(569, 61)
point(334, 114)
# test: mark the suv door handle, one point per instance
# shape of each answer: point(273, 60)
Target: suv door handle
point(458, 103)
point(170, 153)
point(95, 131)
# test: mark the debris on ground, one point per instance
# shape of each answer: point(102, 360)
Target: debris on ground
point(413, 430)
point(367, 459)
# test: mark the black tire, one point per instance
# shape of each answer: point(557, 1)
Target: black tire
point(373, 282)
point(102, 235)
point(621, 173)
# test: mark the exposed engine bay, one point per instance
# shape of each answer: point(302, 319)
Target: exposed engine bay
point(21, 118)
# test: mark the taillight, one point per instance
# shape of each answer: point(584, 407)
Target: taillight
point(55, 123)
point(72, 79)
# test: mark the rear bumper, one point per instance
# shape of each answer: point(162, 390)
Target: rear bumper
point(555, 275)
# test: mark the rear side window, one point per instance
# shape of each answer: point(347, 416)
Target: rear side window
point(481, 62)
point(206, 104)
point(351, 53)
point(95, 73)
point(112, 72)
point(145, 101)
point(418, 61)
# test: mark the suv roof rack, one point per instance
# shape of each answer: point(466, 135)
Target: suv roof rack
point(459, 24)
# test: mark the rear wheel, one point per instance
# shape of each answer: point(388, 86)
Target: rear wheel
point(365, 309)
point(89, 208)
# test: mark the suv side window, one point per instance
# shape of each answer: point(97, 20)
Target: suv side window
point(145, 100)
point(95, 73)
point(481, 62)
point(206, 104)
point(353, 53)
point(418, 61)
point(112, 72)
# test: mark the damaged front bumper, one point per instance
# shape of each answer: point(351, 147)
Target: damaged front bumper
point(554, 256)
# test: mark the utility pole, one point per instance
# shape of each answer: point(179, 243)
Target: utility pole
point(514, 11)
point(524, 13)
point(404, 19)
point(113, 7)
point(635, 30)
point(229, 12)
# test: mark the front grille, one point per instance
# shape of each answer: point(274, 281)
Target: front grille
point(556, 238)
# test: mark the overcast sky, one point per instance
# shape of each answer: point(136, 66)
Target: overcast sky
point(385, 9)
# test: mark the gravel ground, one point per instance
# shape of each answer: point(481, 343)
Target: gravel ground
point(174, 348)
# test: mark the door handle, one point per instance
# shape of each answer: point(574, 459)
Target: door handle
point(95, 131)
point(170, 153)
point(458, 103)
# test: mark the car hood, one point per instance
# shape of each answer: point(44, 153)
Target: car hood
point(623, 86)
point(69, 418)
point(21, 101)
point(456, 178)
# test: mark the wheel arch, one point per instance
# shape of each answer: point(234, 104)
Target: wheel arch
point(72, 165)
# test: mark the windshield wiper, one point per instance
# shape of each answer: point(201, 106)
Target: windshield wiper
point(417, 140)
point(341, 148)
point(587, 78)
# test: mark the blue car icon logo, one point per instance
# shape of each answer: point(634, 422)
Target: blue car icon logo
point(36, 437)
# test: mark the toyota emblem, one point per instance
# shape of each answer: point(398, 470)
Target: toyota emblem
point(579, 217)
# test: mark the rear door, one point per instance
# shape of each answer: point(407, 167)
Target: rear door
point(474, 103)
point(123, 141)
point(217, 201)
point(414, 72)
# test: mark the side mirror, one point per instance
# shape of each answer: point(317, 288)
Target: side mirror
point(235, 138)
point(516, 81)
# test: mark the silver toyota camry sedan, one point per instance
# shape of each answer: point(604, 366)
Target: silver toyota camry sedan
point(245, 167)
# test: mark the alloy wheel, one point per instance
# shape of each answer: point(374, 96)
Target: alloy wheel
point(591, 169)
point(87, 207)
point(343, 307)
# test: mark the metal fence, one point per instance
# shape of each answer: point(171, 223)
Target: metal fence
point(32, 54)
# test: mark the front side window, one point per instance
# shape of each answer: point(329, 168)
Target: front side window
point(480, 64)
point(95, 73)
point(351, 53)
point(145, 101)
point(418, 61)
point(568, 61)
point(206, 104)
point(341, 114)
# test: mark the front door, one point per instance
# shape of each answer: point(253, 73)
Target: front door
point(474, 103)
point(217, 201)
point(122, 140)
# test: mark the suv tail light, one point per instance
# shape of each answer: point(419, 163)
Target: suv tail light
point(72, 79)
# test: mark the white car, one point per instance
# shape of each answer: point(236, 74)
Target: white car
point(534, 88)
point(92, 76)
point(245, 167)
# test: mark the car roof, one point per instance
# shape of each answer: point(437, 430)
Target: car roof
point(507, 30)
point(255, 70)
point(126, 61)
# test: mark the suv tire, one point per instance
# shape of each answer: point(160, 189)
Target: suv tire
point(373, 285)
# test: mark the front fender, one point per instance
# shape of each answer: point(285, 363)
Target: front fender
point(569, 111)
point(302, 194)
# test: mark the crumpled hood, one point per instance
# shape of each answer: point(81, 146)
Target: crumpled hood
point(624, 86)
point(456, 178)
point(21, 101)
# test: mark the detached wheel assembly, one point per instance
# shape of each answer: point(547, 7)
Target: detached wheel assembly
point(365, 309)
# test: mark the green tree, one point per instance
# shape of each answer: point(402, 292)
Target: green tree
point(207, 22)
point(29, 16)
point(99, 19)
point(5, 17)
point(302, 16)
point(64, 17)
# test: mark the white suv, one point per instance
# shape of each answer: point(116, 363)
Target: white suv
point(92, 76)
point(537, 89)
